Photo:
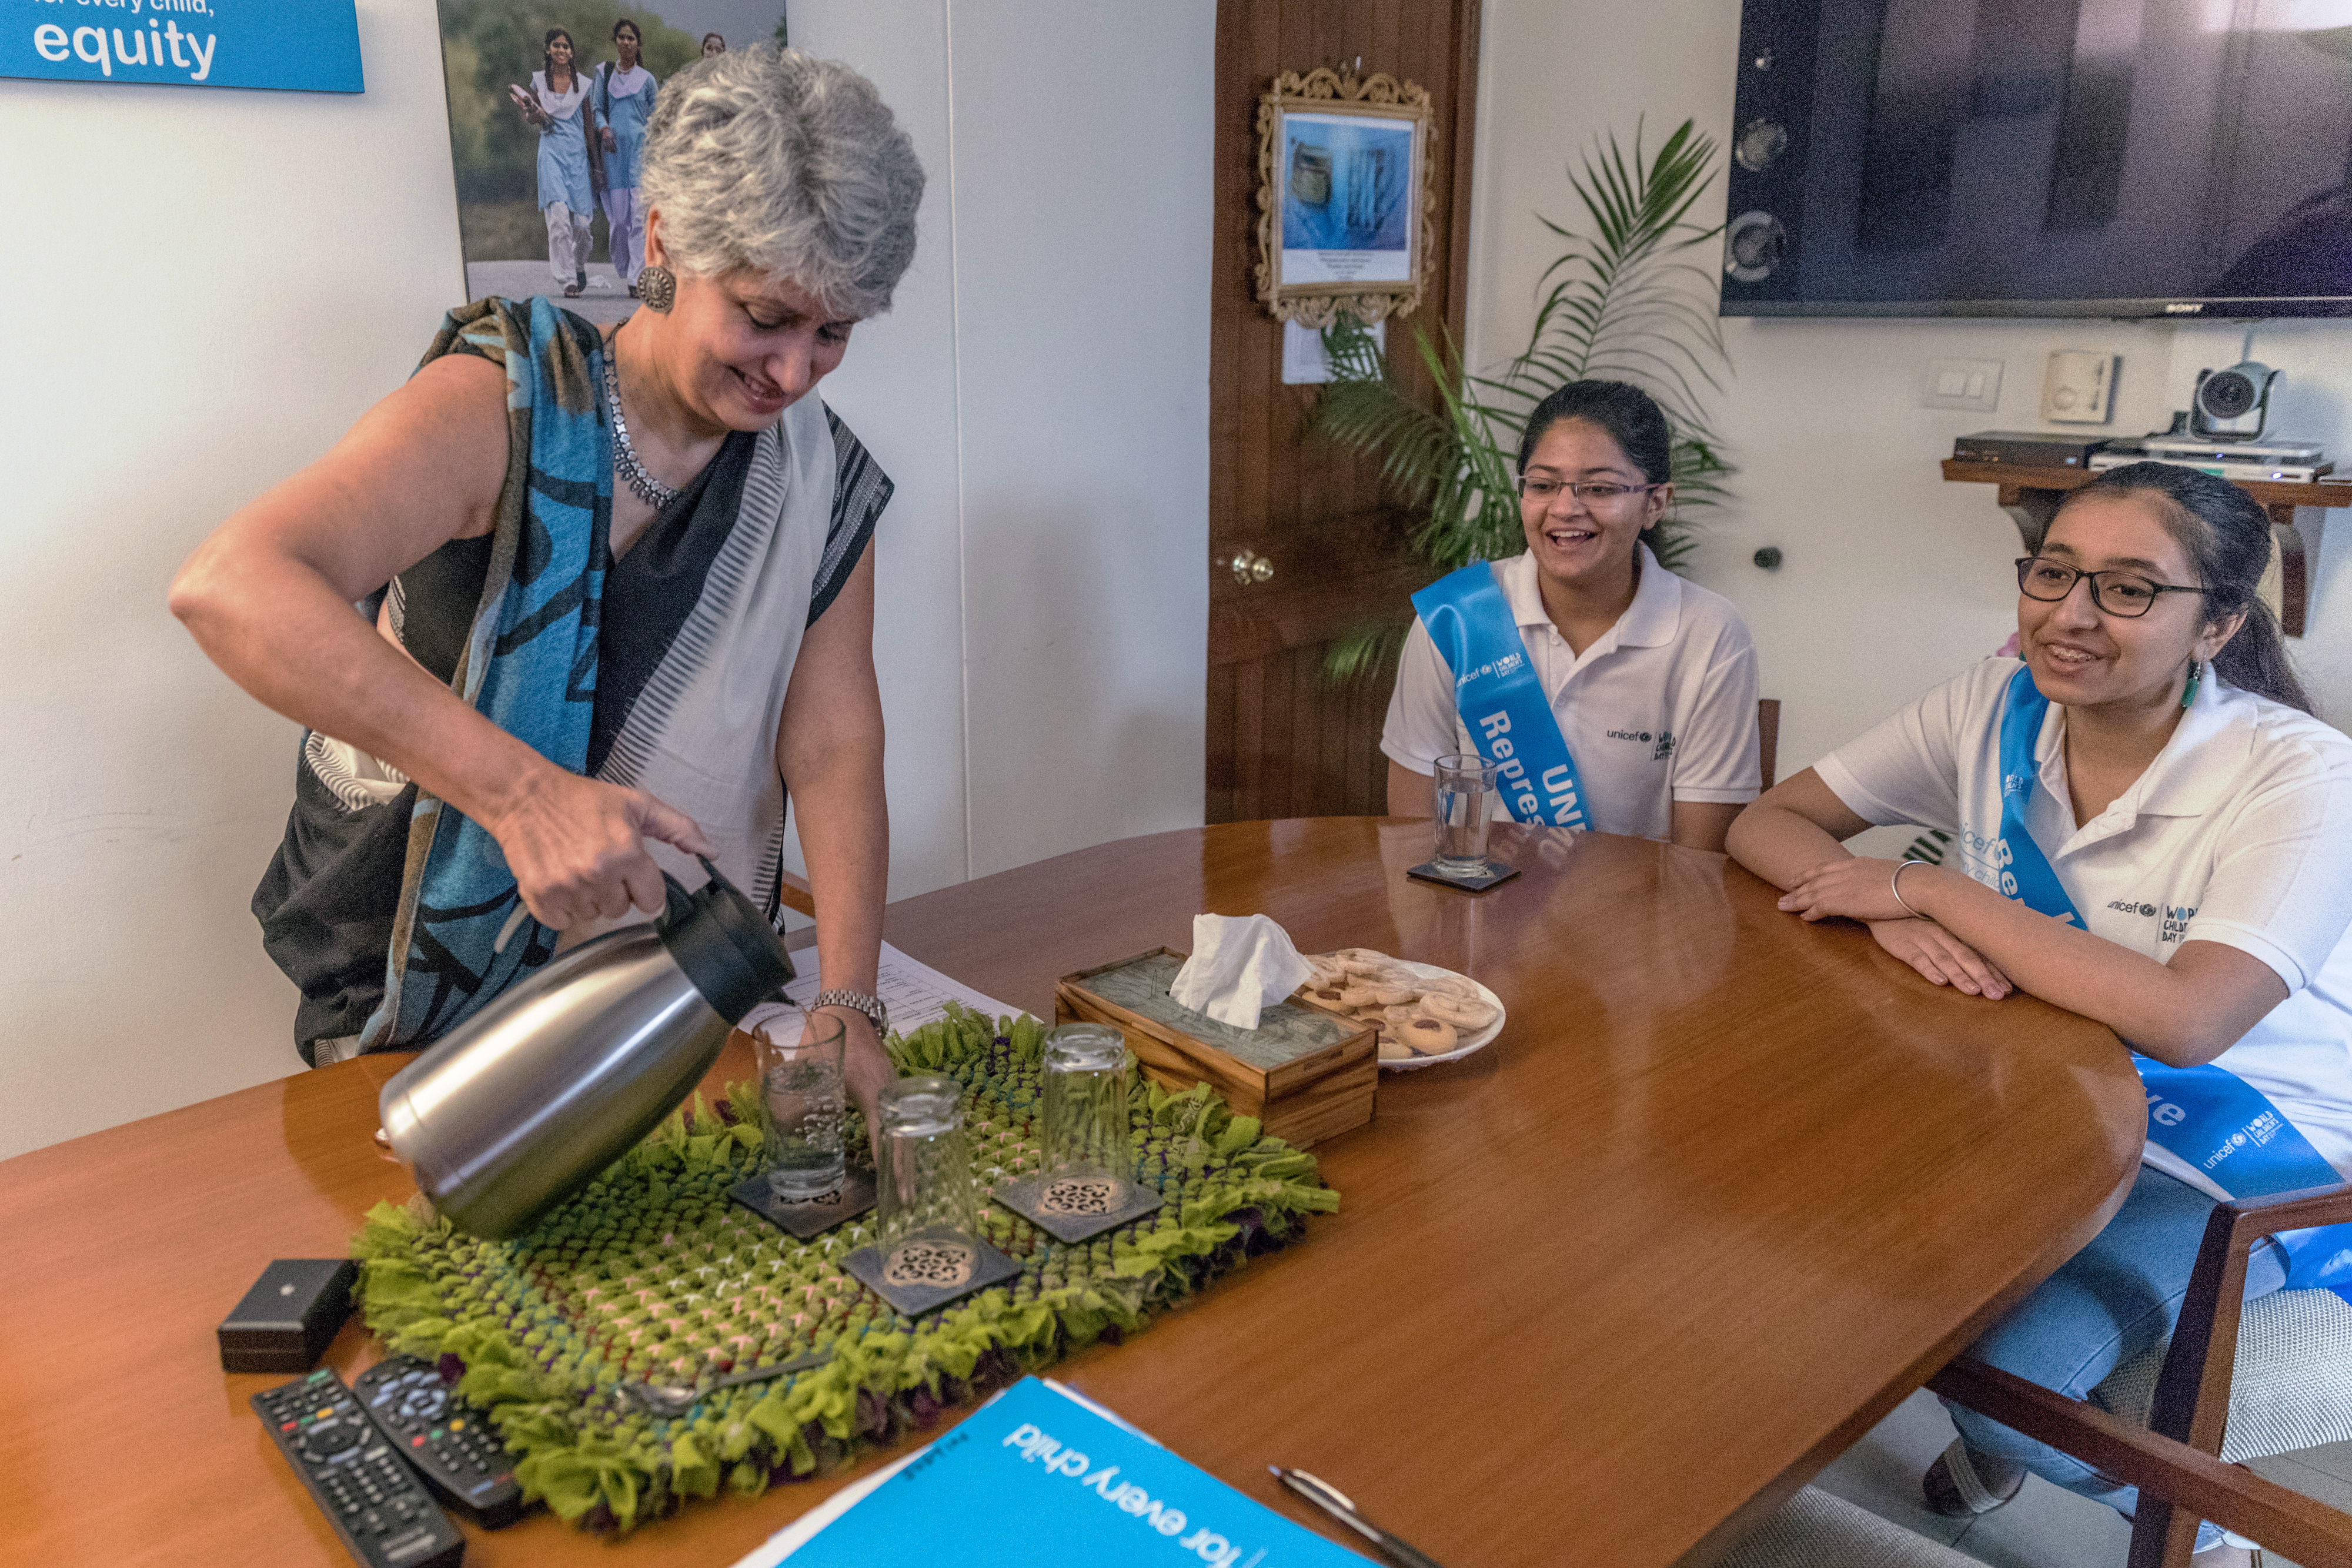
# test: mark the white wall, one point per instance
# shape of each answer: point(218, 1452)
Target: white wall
point(1075, 364)
point(224, 281)
point(211, 286)
point(1892, 579)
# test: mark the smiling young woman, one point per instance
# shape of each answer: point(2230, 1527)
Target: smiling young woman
point(560, 108)
point(1632, 691)
point(2154, 831)
point(627, 95)
point(618, 592)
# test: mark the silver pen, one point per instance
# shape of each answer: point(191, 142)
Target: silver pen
point(1341, 1507)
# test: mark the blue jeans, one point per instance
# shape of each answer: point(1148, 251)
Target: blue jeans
point(2104, 1306)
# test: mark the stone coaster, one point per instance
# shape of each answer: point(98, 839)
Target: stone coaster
point(1493, 875)
point(1074, 1209)
point(930, 1268)
point(853, 1197)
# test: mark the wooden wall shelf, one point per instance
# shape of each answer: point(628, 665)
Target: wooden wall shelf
point(2031, 495)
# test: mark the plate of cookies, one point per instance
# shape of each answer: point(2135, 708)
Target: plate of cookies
point(1425, 1015)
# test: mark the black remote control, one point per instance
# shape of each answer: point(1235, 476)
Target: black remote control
point(376, 1504)
point(451, 1443)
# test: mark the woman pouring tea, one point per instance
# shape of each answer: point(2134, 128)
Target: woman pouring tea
point(618, 593)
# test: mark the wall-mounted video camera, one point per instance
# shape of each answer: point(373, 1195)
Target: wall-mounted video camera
point(2234, 403)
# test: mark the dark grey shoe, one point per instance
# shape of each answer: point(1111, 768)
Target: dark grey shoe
point(1958, 1484)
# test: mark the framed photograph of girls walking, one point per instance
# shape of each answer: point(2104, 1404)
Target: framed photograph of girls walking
point(549, 103)
point(1345, 197)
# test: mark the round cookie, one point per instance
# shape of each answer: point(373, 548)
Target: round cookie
point(1428, 1036)
point(1463, 1012)
point(1395, 1050)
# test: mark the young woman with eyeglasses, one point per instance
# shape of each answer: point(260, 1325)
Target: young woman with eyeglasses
point(2152, 830)
point(1636, 711)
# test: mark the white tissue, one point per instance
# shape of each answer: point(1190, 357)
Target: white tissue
point(1239, 966)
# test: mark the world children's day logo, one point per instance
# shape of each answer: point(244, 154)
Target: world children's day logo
point(307, 45)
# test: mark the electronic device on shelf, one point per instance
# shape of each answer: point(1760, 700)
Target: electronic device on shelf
point(1896, 160)
point(383, 1512)
point(2026, 449)
point(2279, 472)
point(451, 1443)
point(2231, 451)
point(2233, 403)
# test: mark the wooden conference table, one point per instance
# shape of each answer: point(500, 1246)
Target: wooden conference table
point(1725, 1190)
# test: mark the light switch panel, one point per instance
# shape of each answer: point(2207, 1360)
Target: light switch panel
point(2079, 387)
point(1961, 383)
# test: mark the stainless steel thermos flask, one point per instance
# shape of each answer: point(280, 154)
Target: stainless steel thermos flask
point(534, 1095)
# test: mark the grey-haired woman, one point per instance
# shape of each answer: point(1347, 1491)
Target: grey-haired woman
point(618, 592)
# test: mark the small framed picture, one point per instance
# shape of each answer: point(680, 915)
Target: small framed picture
point(1345, 195)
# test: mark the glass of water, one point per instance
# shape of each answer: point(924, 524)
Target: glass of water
point(1464, 784)
point(922, 1170)
point(1086, 1138)
point(800, 1105)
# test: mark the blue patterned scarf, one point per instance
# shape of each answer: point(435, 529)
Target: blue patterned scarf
point(528, 664)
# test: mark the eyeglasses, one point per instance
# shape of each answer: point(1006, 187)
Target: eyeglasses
point(2125, 593)
point(1592, 493)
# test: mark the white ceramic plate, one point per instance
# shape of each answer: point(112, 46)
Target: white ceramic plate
point(1473, 1040)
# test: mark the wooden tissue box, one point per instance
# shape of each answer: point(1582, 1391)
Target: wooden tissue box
point(1305, 1072)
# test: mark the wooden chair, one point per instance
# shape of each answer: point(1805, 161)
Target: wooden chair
point(2295, 1390)
point(2236, 1381)
point(792, 893)
point(1816, 1529)
point(1767, 735)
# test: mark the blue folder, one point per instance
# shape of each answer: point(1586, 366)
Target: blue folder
point(1038, 1477)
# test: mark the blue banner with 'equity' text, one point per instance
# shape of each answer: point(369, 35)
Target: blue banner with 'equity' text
point(302, 46)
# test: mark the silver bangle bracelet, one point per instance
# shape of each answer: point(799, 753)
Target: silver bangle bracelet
point(1894, 884)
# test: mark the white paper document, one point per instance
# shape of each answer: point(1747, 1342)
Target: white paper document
point(915, 993)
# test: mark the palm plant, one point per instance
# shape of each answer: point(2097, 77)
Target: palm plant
point(1622, 302)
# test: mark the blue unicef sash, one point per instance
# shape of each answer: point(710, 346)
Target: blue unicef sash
point(2209, 1116)
point(1501, 702)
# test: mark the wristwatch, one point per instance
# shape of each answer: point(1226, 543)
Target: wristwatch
point(857, 1001)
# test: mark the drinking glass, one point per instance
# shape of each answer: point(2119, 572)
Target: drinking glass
point(1464, 784)
point(922, 1171)
point(1089, 1155)
point(800, 1105)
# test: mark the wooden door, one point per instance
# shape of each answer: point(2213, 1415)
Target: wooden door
point(1283, 741)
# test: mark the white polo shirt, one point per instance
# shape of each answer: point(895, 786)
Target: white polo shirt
point(1661, 707)
point(2240, 832)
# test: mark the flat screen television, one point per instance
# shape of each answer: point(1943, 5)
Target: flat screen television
point(2124, 158)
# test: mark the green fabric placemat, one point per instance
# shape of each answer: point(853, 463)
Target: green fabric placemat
point(651, 1274)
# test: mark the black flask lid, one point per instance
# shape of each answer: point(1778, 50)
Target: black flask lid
point(725, 945)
